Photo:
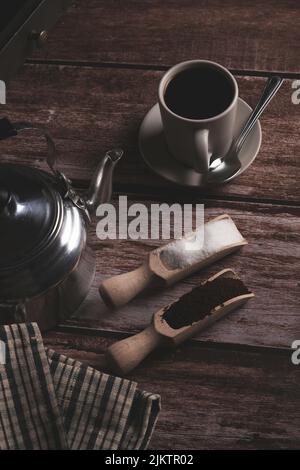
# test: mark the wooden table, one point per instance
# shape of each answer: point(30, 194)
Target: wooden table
point(235, 386)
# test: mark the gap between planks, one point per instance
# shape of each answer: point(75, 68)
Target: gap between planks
point(160, 193)
point(154, 67)
point(188, 195)
point(117, 335)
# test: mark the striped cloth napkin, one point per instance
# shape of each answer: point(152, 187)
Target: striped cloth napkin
point(49, 401)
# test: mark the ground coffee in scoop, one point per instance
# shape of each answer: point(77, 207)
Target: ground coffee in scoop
point(200, 301)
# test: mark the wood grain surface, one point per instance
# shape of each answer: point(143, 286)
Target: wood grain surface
point(89, 110)
point(244, 35)
point(212, 397)
point(269, 265)
point(234, 387)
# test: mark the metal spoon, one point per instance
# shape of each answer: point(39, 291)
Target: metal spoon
point(231, 159)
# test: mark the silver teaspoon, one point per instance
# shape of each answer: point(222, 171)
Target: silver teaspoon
point(231, 159)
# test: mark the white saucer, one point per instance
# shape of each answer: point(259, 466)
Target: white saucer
point(155, 152)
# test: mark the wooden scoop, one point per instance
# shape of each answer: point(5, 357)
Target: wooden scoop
point(174, 261)
point(192, 313)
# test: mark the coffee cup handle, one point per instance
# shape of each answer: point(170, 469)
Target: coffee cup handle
point(201, 163)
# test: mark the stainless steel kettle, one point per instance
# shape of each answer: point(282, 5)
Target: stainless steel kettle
point(46, 265)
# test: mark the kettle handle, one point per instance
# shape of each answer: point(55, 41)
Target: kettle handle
point(8, 129)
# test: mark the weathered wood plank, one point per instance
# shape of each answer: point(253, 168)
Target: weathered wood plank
point(248, 35)
point(89, 110)
point(269, 265)
point(212, 398)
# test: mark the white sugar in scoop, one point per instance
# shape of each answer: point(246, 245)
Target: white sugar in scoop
point(192, 249)
point(174, 261)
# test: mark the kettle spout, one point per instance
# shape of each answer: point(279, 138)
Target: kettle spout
point(100, 189)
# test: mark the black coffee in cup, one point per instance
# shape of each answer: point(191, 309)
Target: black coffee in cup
point(198, 102)
point(199, 93)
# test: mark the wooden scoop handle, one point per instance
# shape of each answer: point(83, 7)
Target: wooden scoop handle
point(119, 290)
point(123, 356)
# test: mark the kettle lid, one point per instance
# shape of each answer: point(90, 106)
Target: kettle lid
point(29, 210)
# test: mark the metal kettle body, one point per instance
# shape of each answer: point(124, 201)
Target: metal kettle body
point(46, 264)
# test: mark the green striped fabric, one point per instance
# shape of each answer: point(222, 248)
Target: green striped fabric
point(49, 401)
